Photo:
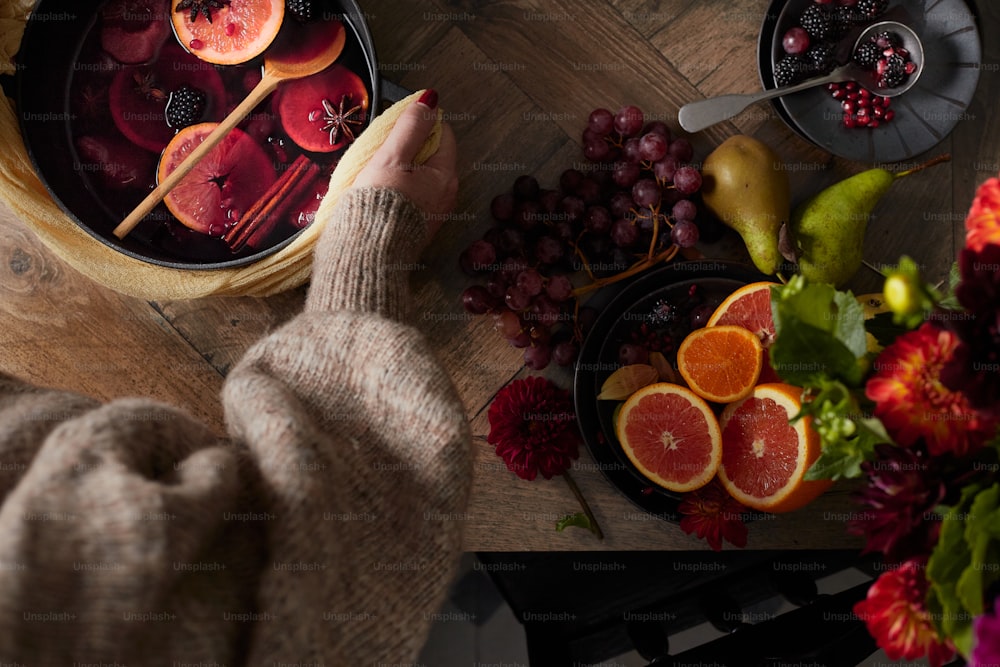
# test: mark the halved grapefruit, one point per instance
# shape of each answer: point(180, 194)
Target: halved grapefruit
point(227, 32)
point(750, 307)
point(220, 188)
point(671, 436)
point(764, 458)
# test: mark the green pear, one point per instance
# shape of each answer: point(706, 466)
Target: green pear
point(745, 185)
point(829, 228)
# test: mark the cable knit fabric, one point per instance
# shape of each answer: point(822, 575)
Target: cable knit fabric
point(323, 531)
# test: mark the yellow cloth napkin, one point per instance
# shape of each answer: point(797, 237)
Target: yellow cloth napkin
point(27, 197)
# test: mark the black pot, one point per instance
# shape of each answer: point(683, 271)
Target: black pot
point(46, 62)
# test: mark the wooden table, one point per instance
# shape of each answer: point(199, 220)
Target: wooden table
point(517, 80)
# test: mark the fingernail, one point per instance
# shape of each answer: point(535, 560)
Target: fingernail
point(429, 99)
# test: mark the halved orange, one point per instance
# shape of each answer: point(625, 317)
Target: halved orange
point(671, 436)
point(764, 458)
point(721, 363)
point(237, 32)
point(750, 307)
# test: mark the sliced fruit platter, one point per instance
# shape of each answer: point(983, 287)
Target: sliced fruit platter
point(152, 78)
point(674, 388)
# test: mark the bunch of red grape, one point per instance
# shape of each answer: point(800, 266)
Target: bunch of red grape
point(631, 205)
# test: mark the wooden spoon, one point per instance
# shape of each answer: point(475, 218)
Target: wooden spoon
point(295, 58)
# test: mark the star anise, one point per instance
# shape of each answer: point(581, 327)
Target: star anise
point(204, 7)
point(340, 119)
point(145, 84)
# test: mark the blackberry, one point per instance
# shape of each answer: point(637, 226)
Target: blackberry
point(895, 71)
point(820, 58)
point(872, 9)
point(867, 55)
point(185, 107)
point(790, 69)
point(818, 21)
point(300, 9)
point(844, 18)
point(888, 40)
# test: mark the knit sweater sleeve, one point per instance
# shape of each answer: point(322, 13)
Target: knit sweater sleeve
point(323, 531)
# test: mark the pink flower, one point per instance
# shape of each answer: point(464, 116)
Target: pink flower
point(533, 426)
point(986, 643)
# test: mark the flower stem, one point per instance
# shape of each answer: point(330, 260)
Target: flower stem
point(594, 526)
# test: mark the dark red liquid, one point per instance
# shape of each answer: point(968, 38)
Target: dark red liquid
point(119, 128)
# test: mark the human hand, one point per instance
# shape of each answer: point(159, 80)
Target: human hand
point(432, 186)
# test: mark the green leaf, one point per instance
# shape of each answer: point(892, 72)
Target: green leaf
point(949, 300)
point(578, 520)
point(981, 532)
point(804, 355)
point(948, 562)
point(819, 333)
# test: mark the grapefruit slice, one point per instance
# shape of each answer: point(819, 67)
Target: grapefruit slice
point(220, 188)
point(234, 33)
point(764, 458)
point(750, 307)
point(671, 436)
point(720, 363)
point(132, 31)
point(309, 107)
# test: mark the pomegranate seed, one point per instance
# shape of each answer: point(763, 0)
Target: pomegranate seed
point(862, 121)
point(911, 67)
point(889, 115)
point(847, 106)
point(839, 94)
point(314, 115)
point(865, 93)
point(852, 96)
point(230, 29)
point(848, 120)
point(879, 112)
point(873, 124)
point(196, 44)
point(851, 85)
point(886, 101)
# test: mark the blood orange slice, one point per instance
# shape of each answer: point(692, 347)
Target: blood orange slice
point(671, 436)
point(235, 32)
point(721, 363)
point(764, 458)
point(222, 186)
point(750, 307)
point(324, 112)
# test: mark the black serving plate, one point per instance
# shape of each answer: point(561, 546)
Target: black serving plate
point(639, 302)
point(925, 115)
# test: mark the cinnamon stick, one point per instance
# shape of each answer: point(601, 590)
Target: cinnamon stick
point(261, 219)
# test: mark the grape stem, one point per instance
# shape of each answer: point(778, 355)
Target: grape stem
point(636, 268)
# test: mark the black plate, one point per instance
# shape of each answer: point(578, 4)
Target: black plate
point(46, 65)
point(637, 303)
point(925, 115)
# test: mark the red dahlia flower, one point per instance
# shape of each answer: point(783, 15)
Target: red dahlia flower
point(712, 514)
point(913, 402)
point(903, 489)
point(982, 225)
point(533, 426)
point(897, 617)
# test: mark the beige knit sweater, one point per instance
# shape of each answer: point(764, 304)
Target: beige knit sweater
point(322, 532)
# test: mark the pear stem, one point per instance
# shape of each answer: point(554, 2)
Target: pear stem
point(930, 163)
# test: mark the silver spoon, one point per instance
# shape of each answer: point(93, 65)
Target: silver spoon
point(696, 116)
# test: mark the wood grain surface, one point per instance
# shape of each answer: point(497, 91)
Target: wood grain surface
point(517, 80)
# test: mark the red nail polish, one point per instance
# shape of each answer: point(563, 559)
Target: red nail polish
point(429, 98)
